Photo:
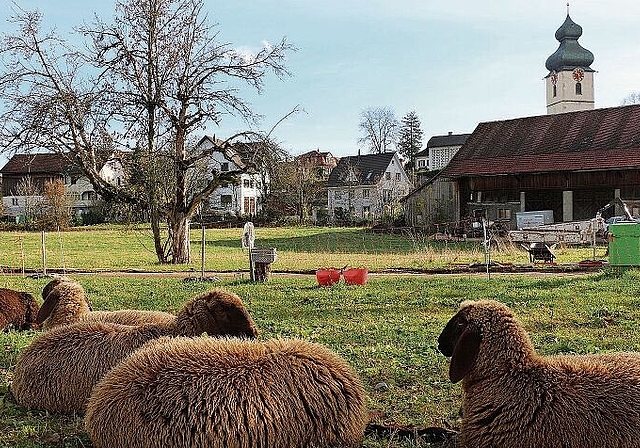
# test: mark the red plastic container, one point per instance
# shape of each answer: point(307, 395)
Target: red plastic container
point(327, 277)
point(355, 276)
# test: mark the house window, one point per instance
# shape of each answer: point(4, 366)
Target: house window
point(387, 175)
point(89, 196)
point(421, 163)
point(504, 213)
point(224, 166)
point(365, 211)
point(15, 201)
point(246, 183)
point(225, 201)
point(365, 193)
point(386, 195)
point(555, 91)
point(578, 88)
point(398, 177)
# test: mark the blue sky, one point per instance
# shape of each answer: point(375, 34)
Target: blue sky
point(455, 63)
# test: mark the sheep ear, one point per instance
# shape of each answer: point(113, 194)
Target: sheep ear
point(464, 355)
point(47, 307)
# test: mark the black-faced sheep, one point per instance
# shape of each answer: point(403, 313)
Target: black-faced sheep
point(17, 310)
point(57, 371)
point(514, 397)
point(65, 302)
point(228, 393)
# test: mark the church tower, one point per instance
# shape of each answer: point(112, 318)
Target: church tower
point(569, 83)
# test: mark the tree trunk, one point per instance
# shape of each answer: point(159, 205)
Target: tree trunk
point(181, 239)
point(157, 237)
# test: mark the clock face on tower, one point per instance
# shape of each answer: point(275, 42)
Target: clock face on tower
point(578, 74)
point(554, 78)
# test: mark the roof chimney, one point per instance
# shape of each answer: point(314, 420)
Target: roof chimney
point(450, 132)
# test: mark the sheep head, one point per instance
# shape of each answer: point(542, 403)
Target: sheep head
point(218, 313)
point(52, 284)
point(481, 324)
point(67, 291)
point(460, 340)
point(31, 311)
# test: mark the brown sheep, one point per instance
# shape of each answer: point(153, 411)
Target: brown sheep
point(65, 302)
point(57, 371)
point(17, 310)
point(228, 393)
point(514, 397)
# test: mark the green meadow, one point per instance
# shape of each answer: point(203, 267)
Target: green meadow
point(387, 329)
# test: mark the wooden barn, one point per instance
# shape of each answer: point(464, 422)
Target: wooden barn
point(572, 163)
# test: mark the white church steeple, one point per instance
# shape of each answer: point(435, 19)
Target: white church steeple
point(569, 83)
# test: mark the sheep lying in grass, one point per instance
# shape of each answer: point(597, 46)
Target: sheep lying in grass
point(228, 393)
point(65, 302)
point(17, 310)
point(57, 371)
point(514, 397)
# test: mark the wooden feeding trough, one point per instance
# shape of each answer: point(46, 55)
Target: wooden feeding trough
point(261, 259)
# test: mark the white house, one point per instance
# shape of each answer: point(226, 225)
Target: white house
point(367, 187)
point(243, 198)
point(439, 151)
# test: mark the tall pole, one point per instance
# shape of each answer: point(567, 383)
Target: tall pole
point(44, 254)
point(202, 251)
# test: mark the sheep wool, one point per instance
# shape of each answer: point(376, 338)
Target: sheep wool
point(129, 317)
point(228, 393)
point(57, 371)
point(17, 310)
point(514, 397)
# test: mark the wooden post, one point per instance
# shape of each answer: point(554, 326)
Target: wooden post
point(44, 254)
point(202, 251)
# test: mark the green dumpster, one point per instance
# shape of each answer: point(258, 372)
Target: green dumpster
point(624, 244)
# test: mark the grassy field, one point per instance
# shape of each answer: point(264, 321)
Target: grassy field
point(300, 249)
point(387, 329)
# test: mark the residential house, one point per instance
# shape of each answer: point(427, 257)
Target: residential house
point(245, 197)
point(319, 164)
point(439, 151)
point(367, 187)
point(322, 162)
point(24, 177)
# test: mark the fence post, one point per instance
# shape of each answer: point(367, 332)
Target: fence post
point(44, 254)
point(202, 251)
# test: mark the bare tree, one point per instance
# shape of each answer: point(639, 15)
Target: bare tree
point(294, 188)
point(55, 211)
point(379, 127)
point(632, 98)
point(150, 79)
point(27, 189)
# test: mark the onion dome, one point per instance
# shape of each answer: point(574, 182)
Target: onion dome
point(570, 54)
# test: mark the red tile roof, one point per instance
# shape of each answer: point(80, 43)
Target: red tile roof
point(599, 139)
point(45, 163)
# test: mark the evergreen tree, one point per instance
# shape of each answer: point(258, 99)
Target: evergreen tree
point(410, 136)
